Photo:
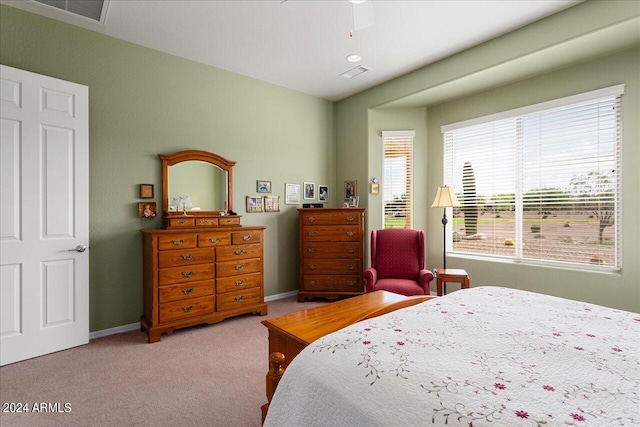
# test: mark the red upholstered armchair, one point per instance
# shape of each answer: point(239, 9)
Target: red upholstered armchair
point(397, 262)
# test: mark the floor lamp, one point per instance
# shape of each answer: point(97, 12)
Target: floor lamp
point(445, 199)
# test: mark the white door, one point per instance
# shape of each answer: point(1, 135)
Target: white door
point(44, 215)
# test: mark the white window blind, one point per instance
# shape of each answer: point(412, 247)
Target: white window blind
point(397, 184)
point(540, 184)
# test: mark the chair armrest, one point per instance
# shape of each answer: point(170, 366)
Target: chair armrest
point(370, 276)
point(424, 277)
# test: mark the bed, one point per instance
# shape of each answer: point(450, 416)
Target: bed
point(485, 356)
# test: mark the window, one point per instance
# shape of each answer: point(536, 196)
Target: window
point(397, 184)
point(541, 183)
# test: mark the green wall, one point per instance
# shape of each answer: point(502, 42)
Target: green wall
point(587, 47)
point(142, 103)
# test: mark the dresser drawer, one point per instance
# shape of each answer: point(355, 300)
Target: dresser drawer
point(176, 241)
point(215, 238)
point(185, 291)
point(185, 257)
point(237, 300)
point(340, 233)
point(234, 268)
point(332, 250)
point(245, 237)
point(332, 283)
point(238, 252)
point(178, 222)
point(229, 220)
point(332, 217)
point(235, 283)
point(188, 273)
point(187, 308)
point(332, 266)
point(206, 222)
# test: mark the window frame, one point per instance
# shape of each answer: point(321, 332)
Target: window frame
point(408, 136)
point(615, 93)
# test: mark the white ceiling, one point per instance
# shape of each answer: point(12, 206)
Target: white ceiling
point(303, 45)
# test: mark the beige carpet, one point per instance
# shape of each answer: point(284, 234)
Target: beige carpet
point(210, 375)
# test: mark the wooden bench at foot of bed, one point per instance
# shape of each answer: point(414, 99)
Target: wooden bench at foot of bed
point(291, 333)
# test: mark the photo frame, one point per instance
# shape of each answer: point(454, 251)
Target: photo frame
point(146, 191)
point(147, 209)
point(272, 203)
point(309, 191)
point(354, 201)
point(254, 204)
point(323, 193)
point(263, 186)
point(292, 194)
point(375, 188)
point(350, 189)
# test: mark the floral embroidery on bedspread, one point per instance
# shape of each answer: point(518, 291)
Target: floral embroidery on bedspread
point(503, 357)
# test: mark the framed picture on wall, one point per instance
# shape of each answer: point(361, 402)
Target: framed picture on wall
point(309, 191)
point(323, 193)
point(146, 191)
point(263, 186)
point(272, 203)
point(254, 204)
point(292, 194)
point(350, 189)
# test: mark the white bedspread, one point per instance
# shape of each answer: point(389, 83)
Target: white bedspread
point(485, 356)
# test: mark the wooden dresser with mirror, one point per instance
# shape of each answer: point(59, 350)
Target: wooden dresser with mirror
point(203, 266)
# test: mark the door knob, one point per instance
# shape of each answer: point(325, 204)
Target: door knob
point(79, 248)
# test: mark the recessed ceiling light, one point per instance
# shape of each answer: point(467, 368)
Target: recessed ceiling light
point(354, 57)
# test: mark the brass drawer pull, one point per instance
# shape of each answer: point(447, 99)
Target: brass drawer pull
point(239, 251)
point(350, 250)
point(246, 238)
point(351, 218)
point(240, 298)
point(312, 218)
point(187, 308)
point(228, 221)
point(350, 233)
point(239, 267)
point(312, 283)
point(312, 250)
point(188, 273)
point(206, 221)
point(239, 282)
point(187, 257)
point(187, 291)
point(312, 233)
point(351, 283)
point(214, 239)
point(177, 242)
point(182, 221)
point(312, 266)
point(351, 267)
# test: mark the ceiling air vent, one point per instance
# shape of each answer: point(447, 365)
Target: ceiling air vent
point(92, 9)
point(354, 72)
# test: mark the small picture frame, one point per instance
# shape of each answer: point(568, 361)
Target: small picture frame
point(147, 209)
point(354, 201)
point(309, 191)
point(375, 188)
point(323, 193)
point(263, 186)
point(350, 189)
point(292, 194)
point(272, 203)
point(146, 191)
point(254, 204)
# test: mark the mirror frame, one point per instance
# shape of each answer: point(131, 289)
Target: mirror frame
point(191, 155)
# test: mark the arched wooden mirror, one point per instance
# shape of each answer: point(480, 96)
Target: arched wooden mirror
point(197, 190)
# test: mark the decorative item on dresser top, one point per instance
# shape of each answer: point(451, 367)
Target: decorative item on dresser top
point(331, 252)
point(204, 266)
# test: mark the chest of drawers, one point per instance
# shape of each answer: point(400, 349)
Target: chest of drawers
point(331, 252)
point(199, 276)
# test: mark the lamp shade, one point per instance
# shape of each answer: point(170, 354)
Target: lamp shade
point(445, 198)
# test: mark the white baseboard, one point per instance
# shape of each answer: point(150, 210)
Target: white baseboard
point(136, 326)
